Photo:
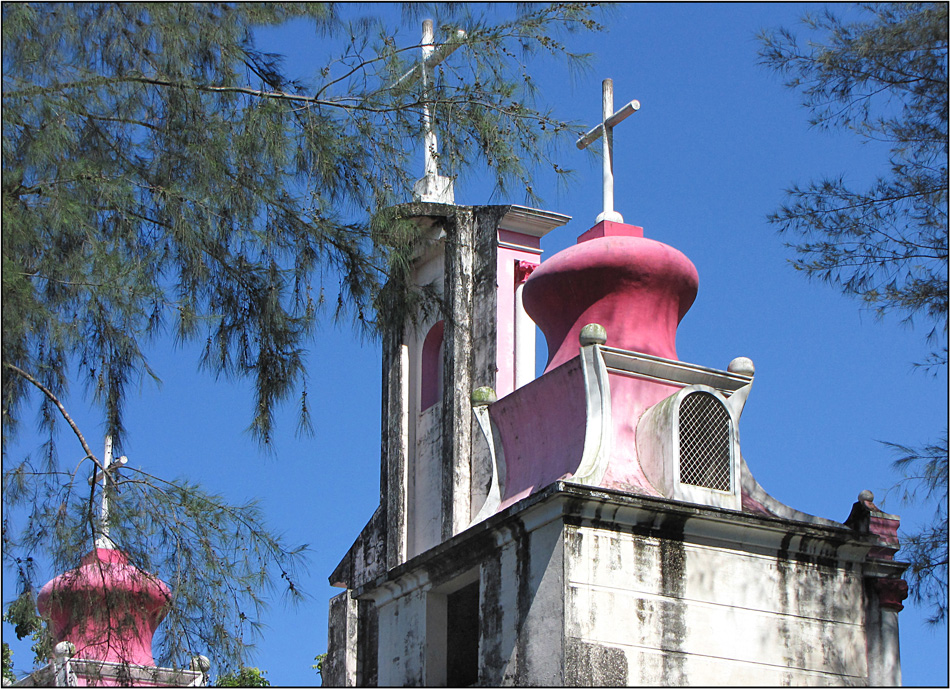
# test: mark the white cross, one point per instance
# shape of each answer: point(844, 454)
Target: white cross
point(103, 540)
point(432, 187)
point(431, 143)
point(606, 129)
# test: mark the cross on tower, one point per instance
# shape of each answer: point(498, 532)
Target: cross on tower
point(606, 129)
point(433, 187)
point(106, 475)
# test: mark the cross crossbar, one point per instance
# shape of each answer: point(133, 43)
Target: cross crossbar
point(437, 56)
point(432, 187)
point(611, 122)
point(605, 129)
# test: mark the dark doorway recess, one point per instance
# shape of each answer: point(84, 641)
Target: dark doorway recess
point(462, 637)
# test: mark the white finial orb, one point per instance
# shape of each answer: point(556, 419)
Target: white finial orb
point(742, 365)
point(593, 333)
point(866, 496)
point(64, 649)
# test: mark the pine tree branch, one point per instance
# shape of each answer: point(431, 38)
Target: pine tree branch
point(90, 515)
point(869, 200)
point(155, 81)
point(348, 104)
point(55, 400)
point(362, 65)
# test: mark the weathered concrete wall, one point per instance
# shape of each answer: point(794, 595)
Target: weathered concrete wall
point(586, 587)
point(402, 640)
point(393, 449)
point(457, 388)
point(434, 460)
point(339, 667)
point(434, 463)
point(522, 608)
point(366, 558)
point(485, 322)
point(520, 572)
point(698, 614)
point(884, 653)
point(424, 508)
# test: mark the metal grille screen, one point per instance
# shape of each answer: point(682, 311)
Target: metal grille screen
point(704, 442)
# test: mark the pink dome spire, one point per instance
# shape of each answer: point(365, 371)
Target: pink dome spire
point(106, 607)
point(638, 289)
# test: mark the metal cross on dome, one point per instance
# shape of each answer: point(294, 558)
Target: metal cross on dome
point(433, 187)
point(606, 129)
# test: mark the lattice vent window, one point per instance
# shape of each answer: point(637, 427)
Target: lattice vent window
point(704, 442)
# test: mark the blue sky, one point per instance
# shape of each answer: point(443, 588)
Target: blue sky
point(707, 157)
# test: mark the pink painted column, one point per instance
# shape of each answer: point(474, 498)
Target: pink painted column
point(524, 327)
point(518, 255)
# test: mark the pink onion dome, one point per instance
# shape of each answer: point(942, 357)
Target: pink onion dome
point(638, 289)
point(107, 608)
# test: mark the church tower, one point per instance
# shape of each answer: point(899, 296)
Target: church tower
point(597, 525)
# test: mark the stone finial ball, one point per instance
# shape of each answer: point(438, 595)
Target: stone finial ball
point(483, 395)
point(742, 365)
point(593, 333)
point(866, 496)
point(64, 649)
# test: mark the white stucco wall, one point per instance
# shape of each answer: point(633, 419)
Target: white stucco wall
point(697, 614)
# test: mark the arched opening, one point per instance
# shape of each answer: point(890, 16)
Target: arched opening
point(432, 366)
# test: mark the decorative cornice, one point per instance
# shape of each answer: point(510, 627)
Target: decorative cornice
point(532, 221)
point(667, 371)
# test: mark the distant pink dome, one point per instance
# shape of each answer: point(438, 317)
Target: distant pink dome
point(104, 580)
point(638, 289)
